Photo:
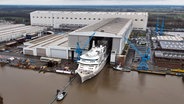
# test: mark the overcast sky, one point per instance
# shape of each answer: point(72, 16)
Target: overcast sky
point(93, 2)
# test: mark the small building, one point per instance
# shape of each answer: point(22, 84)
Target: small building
point(169, 59)
point(170, 52)
point(55, 46)
point(172, 45)
point(13, 31)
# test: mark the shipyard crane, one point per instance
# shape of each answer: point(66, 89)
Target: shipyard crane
point(144, 57)
point(161, 28)
point(79, 50)
point(157, 25)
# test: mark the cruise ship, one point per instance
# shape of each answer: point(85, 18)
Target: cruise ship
point(92, 62)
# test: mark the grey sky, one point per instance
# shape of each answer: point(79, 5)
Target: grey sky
point(94, 2)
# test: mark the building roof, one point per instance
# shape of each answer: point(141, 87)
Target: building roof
point(64, 42)
point(40, 39)
point(170, 55)
point(50, 41)
point(179, 34)
point(17, 29)
point(169, 38)
point(172, 45)
point(95, 13)
point(106, 27)
point(46, 41)
point(10, 26)
point(57, 38)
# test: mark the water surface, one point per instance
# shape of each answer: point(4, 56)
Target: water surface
point(18, 86)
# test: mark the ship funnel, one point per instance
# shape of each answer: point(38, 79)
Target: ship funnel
point(93, 45)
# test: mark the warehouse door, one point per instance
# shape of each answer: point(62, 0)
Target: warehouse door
point(28, 52)
point(59, 53)
point(41, 52)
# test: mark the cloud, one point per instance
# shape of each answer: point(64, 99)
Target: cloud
point(118, 0)
point(94, 2)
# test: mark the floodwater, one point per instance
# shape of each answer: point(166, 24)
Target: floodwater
point(19, 86)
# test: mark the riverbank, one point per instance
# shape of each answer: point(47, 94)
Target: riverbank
point(36, 65)
point(66, 66)
point(160, 72)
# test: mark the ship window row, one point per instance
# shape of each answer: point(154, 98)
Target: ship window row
point(41, 17)
point(68, 18)
point(137, 28)
point(140, 20)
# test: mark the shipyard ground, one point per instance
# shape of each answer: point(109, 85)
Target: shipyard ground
point(70, 65)
point(130, 62)
point(36, 64)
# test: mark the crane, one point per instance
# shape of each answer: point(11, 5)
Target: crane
point(158, 30)
point(79, 50)
point(157, 25)
point(162, 27)
point(144, 57)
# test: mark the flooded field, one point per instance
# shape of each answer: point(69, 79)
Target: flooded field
point(19, 86)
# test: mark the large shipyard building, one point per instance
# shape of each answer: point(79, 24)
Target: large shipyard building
point(110, 28)
point(58, 19)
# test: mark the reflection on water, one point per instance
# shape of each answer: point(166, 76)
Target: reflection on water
point(1, 100)
point(141, 78)
point(19, 86)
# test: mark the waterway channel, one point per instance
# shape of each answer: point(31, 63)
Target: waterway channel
point(18, 86)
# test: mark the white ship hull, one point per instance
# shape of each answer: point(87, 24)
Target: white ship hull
point(85, 76)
